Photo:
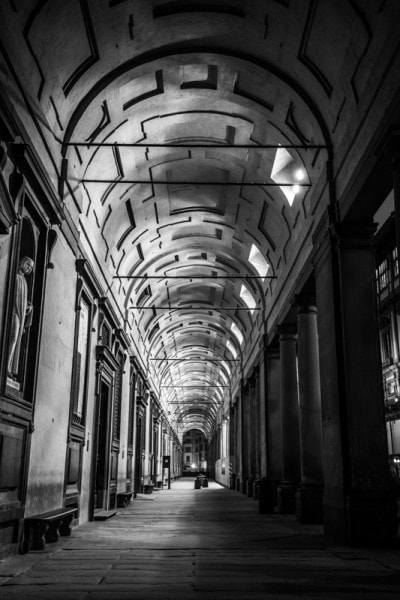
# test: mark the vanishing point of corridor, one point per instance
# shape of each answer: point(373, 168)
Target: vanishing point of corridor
point(210, 544)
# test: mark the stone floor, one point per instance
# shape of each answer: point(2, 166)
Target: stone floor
point(208, 544)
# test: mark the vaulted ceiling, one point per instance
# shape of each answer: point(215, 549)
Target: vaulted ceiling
point(189, 141)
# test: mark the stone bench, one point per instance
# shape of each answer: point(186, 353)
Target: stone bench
point(47, 527)
point(123, 499)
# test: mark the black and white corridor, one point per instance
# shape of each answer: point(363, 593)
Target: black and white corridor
point(199, 282)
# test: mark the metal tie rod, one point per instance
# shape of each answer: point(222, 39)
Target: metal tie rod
point(166, 308)
point(189, 145)
point(199, 403)
point(189, 182)
point(194, 277)
point(199, 359)
point(195, 386)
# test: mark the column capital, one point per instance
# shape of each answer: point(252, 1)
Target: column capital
point(354, 234)
point(287, 331)
point(272, 352)
point(251, 380)
point(306, 304)
point(331, 234)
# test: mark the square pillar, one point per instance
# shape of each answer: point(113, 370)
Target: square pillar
point(358, 508)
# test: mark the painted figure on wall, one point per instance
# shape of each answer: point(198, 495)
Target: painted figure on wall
point(22, 314)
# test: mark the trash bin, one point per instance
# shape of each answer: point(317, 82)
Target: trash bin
point(205, 482)
point(197, 483)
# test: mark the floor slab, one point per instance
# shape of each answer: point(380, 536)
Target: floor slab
point(210, 543)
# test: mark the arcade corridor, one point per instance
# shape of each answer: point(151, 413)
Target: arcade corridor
point(208, 544)
point(199, 272)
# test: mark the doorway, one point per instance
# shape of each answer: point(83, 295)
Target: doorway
point(102, 450)
point(138, 457)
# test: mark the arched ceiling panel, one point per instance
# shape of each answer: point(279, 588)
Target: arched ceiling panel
point(189, 142)
point(189, 212)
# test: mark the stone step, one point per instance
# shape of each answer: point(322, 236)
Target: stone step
point(103, 515)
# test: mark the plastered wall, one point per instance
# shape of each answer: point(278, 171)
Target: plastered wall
point(51, 413)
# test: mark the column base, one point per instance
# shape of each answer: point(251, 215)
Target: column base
point(309, 504)
point(372, 520)
point(286, 498)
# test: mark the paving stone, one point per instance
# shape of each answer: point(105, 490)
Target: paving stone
point(44, 594)
point(59, 579)
point(208, 546)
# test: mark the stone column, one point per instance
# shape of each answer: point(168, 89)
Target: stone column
point(358, 508)
point(309, 494)
point(224, 439)
point(232, 446)
point(257, 424)
point(245, 438)
point(272, 476)
point(290, 420)
point(274, 415)
point(231, 433)
point(263, 408)
point(251, 434)
point(159, 452)
point(147, 439)
point(239, 456)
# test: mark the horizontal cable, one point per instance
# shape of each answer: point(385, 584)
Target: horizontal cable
point(181, 145)
point(195, 386)
point(195, 404)
point(195, 276)
point(189, 182)
point(192, 308)
point(200, 359)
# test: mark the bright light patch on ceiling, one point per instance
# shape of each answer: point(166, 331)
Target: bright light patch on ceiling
point(282, 160)
point(300, 174)
point(290, 193)
point(247, 297)
point(280, 172)
point(231, 348)
point(258, 261)
point(223, 377)
point(226, 367)
point(238, 334)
